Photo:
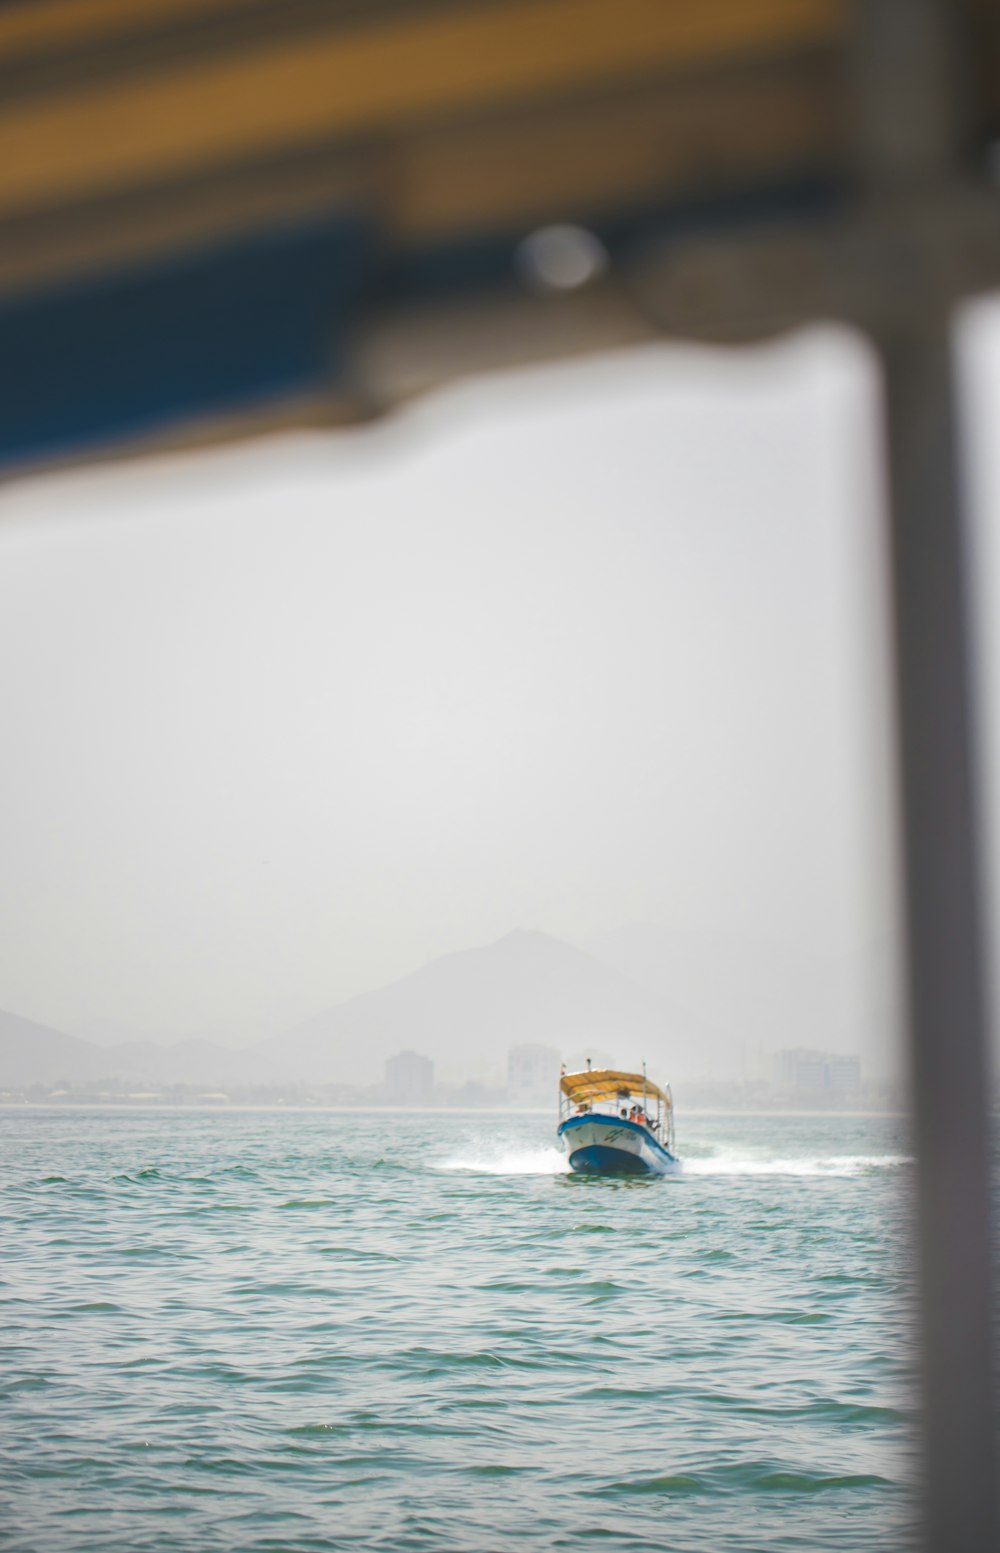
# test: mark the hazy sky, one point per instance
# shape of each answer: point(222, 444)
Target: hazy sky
point(562, 650)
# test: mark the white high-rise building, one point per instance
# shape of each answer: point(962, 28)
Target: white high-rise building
point(409, 1079)
point(532, 1075)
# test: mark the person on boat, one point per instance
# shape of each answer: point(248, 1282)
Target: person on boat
point(624, 1113)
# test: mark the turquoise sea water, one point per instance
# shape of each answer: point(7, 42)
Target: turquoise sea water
point(272, 1332)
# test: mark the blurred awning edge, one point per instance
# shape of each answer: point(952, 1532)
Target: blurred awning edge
point(222, 214)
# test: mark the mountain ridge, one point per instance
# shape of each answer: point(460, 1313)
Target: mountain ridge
point(464, 1010)
point(471, 1005)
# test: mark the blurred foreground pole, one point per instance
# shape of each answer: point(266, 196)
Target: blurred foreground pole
point(912, 94)
point(946, 1007)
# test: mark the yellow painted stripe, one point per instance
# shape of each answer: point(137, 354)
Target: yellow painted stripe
point(59, 22)
point(376, 80)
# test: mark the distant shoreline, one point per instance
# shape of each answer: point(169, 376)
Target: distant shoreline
point(387, 1110)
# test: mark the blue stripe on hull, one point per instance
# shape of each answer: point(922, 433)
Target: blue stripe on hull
point(599, 1159)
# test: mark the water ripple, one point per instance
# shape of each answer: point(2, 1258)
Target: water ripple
point(253, 1332)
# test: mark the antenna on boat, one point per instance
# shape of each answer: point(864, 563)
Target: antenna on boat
point(590, 1064)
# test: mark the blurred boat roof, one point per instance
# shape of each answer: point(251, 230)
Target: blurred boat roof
point(217, 215)
point(220, 214)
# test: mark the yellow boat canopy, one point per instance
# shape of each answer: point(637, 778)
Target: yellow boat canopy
point(608, 1084)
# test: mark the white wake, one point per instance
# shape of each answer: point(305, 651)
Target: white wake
point(728, 1163)
point(508, 1162)
point(505, 1159)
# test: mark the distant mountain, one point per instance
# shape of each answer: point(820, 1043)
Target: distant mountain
point(110, 1032)
point(689, 1005)
point(31, 1053)
point(464, 1010)
point(193, 1062)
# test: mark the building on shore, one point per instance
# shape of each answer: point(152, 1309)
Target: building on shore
point(409, 1079)
point(532, 1075)
point(815, 1072)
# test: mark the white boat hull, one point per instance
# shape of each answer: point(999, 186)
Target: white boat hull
point(604, 1145)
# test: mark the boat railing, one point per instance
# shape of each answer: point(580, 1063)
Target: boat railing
point(660, 1124)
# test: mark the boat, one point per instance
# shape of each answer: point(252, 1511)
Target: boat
point(613, 1123)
